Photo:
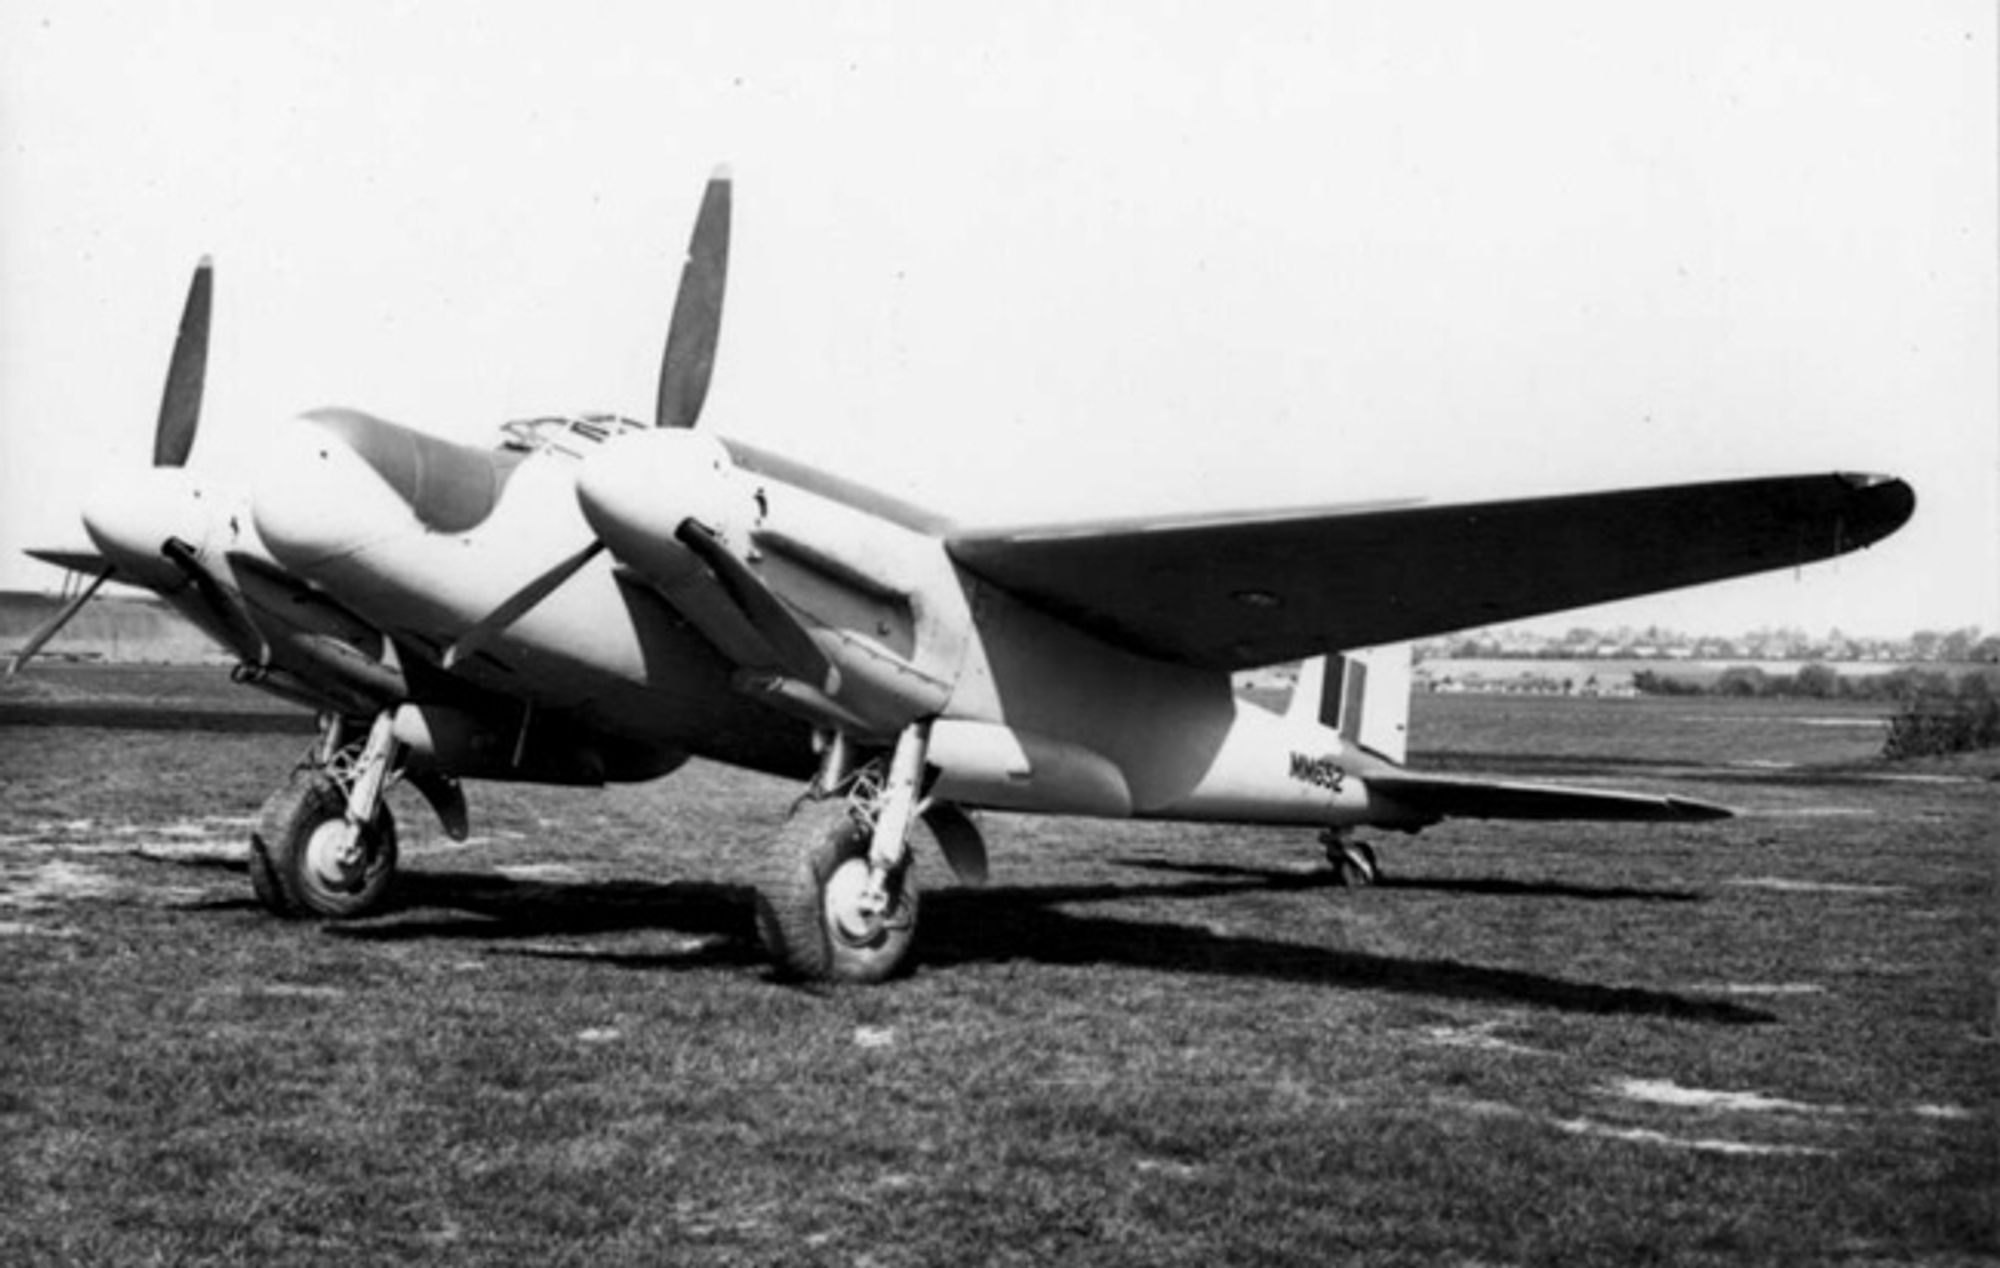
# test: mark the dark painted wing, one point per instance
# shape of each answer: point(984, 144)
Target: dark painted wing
point(1257, 590)
point(74, 558)
point(1432, 797)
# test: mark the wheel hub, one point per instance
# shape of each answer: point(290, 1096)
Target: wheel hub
point(335, 858)
point(853, 913)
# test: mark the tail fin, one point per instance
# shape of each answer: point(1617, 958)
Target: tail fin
point(1364, 695)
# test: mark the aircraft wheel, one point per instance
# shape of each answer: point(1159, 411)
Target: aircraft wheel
point(302, 862)
point(811, 915)
point(1354, 863)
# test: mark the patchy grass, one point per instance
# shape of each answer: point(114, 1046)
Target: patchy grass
point(1705, 732)
point(1766, 1040)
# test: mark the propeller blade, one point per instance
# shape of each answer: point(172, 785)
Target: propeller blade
point(54, 624)
point(697, 323)
point(517, 606)
point(180, 403)
point(798, 655)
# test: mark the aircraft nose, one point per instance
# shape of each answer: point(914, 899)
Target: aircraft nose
point(133, 517)
point(342, 479)
point(316, 498)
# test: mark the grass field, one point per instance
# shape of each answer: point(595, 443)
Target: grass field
point(1766, 1040)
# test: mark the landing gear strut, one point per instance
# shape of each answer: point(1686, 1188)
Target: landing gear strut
point(325, 844)
point(838, 898)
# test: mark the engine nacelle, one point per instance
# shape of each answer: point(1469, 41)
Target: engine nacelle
point(814, 601)
point(638, 491)
point(999, 767)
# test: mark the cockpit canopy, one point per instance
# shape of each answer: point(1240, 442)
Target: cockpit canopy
point(572, 435)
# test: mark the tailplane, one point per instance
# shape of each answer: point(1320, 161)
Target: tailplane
point(1364, 695)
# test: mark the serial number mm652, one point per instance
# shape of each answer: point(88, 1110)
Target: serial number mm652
point(1321, 772)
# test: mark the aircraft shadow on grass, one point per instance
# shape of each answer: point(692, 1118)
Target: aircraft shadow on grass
point(996, 925)
point(149, 716)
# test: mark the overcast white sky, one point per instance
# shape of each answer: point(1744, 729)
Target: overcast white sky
point(1036, 260)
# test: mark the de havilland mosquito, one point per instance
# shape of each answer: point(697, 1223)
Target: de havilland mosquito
point(595, 599)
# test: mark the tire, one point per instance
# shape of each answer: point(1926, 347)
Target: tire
point(288, 869)
point(1354, 864)
point(263, 875)
point(820, 855)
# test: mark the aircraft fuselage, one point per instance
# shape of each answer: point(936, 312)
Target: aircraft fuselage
point(639, 644)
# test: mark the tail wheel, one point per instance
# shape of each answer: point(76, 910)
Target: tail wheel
point(307, 861)
point(813, 911)
point(1354, 862)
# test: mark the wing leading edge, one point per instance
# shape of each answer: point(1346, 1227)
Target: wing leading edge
point(85, 559)
point(1247, 591)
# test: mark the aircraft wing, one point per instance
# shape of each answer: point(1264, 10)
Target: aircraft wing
point(75, 558)
point(1241, 591)
point(1432, 797)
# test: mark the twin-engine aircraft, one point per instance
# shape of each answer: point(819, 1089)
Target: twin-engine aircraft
point(596, 599)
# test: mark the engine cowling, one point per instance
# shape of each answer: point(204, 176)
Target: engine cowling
point(637, 492)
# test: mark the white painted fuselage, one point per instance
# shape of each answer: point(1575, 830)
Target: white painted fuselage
point(1029, 712)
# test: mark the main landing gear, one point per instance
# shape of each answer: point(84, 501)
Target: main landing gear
point(838, 898)
point(325, 844)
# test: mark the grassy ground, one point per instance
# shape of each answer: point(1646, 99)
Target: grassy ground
point(1768, 1040)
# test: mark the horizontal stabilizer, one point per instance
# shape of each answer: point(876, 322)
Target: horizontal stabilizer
point(1439, 797)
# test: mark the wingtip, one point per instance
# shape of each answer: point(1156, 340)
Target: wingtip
point(1867, 481)
point(78, 558)
point(722, 174)
point(1887, 501)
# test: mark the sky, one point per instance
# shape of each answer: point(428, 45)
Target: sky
point(1046, 261)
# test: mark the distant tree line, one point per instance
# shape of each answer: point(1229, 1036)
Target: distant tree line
point(1814, 681)
point(1936, 712)
point(1965, 645)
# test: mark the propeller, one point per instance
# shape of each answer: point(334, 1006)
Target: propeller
point(476, 637)
point(689, 359)
point(173, 432)
point(685, 369)
point(51, 627)
point(180, 402)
